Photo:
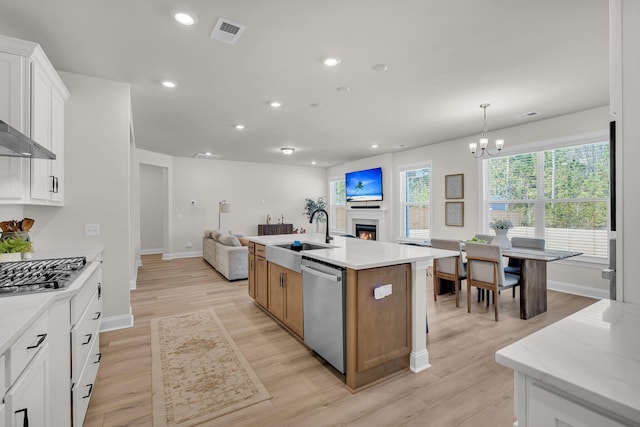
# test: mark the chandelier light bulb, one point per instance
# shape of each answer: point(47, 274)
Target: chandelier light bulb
point(473, 147)
point(484, 139)
point(499, 144)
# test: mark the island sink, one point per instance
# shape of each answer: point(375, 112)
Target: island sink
point(302, 247)
point(287, 255)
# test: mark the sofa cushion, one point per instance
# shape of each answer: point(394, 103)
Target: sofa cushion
point(207, 233)
point(229, 240)
point(216, 234)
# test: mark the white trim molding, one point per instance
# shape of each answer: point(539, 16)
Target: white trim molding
point(571, 288)
point(177, 255)
point(117, 322)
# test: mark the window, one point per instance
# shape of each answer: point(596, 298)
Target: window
point(415, 202)
point(559, 194)
point(337, 197)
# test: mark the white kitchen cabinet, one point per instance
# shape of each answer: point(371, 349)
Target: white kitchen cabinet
point(2, 415)
point(86, 314)
point(32, 98)
point(28, 397)
point(14, 108)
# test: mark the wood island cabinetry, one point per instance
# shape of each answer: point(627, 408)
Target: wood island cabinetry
point(260, 282)
point(378, 330)
point(285, 297)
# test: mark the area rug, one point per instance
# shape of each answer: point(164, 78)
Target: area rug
point(198, 372)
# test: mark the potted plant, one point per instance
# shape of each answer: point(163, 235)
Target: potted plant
point(13, 248)
point(311, 205)
point(501, 227)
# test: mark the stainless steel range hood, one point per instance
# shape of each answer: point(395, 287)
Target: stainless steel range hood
point(14, 143)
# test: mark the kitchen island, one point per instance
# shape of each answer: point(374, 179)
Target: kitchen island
point(385, 332)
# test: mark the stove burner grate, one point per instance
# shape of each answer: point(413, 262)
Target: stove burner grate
point(38, 275)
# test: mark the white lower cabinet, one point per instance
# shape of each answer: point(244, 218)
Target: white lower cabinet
point(27, 400)
point(2, 415)
point(541, 405)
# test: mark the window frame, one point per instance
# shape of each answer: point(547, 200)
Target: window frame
point(333, 205)
point(402, 204)
point(540, 201)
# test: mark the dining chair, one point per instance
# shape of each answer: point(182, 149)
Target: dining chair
point(450, 268)
point(485, 270)
point(514, 265)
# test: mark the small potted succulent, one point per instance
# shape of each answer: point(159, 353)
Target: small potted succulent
point(501, 227)
point(14, 249)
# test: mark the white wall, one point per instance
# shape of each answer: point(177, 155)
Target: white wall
point(153, 203)
point(254, 190)
point(96, 186)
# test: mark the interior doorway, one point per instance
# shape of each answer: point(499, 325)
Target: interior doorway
point(153, 209)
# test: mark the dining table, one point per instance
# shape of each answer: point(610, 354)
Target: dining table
point(533, 276)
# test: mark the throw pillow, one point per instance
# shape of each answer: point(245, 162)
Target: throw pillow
point(207, 233)
point(229, 241)
point(216, 234)
point(243, 241)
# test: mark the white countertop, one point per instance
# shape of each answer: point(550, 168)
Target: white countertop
point(593, 354)
point(357, 254)
point(18, 312)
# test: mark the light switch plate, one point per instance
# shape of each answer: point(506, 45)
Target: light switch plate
point(92, 229)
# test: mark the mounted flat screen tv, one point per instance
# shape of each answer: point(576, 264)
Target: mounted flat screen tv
point(364, 185)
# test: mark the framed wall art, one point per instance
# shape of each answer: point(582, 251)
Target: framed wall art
point(454, 186)
point(454, 214)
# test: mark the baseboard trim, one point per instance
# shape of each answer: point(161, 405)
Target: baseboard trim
point(151, 251)
point(177, 255)
point(571, 288)
point(117, 322)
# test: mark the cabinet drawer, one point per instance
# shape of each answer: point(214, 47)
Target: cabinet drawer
point(29, 396)
point(83, 388)
point(260, 251)
point(80, 301)
point(26, 347)
point(84, 335)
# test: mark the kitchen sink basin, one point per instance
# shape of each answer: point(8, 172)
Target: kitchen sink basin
point(302, 247)
point(289, 256)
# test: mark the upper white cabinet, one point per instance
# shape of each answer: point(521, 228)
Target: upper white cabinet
point(32, 98)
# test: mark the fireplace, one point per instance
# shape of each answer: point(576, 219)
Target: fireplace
point(366, 231)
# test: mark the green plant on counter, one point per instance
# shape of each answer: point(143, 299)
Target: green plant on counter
point(311, 205)
point(12, 245)
point(501, 224)
point(474, 239)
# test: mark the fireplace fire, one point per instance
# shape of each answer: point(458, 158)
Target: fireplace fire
point(366, 231)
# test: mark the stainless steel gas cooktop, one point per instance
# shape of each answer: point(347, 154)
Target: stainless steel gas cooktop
point(25, 277)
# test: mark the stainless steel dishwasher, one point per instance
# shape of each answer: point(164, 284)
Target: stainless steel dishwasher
point(324, 292)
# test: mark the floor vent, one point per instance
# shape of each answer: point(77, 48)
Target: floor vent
point(527, 115)
point(207, 156)
point(227, 31)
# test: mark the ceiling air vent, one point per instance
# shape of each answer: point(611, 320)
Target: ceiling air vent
point(527, 115)
point(207, 156)
point(227, 31)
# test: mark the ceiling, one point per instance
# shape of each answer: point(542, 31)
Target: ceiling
point(444, 59)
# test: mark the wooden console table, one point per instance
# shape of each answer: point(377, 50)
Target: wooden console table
point(270, 229)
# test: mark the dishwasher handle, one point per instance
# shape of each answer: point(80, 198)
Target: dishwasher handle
point(318, 273)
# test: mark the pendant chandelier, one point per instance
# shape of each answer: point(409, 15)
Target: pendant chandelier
point(484, 140)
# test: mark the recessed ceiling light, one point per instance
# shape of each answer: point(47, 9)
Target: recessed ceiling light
point(380, 67)
point(239, 126)
point(207, 155)
point(276, 104)
point(330, 61)
point(287, 151)
point(316, 105)
point(169, 84)
point(343, 89)
point(313, 162)
point(184, 18)
point(374, 145)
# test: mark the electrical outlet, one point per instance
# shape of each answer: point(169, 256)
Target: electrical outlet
point(92, 229)
point(189, 244)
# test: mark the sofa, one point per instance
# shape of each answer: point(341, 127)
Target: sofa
point(226, 253)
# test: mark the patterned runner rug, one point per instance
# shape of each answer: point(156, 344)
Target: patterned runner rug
point(198, 372)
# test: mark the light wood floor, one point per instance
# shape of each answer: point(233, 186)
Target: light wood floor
point(464, 386)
